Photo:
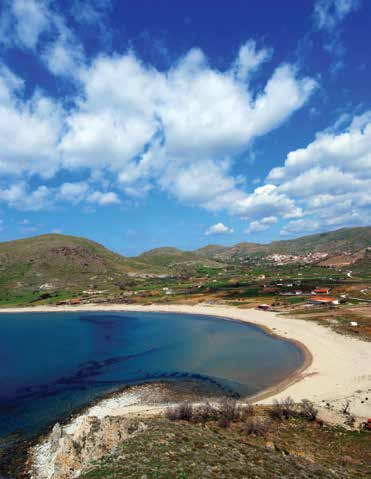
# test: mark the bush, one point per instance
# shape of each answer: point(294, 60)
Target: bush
point(308, 410)
point(289, 408)
point(276, 411)
point(258, 426)
point(229, 410)
point(224, 422)
point(246, 410)
point(285, 409)
point(183, 412)
point(204, 413)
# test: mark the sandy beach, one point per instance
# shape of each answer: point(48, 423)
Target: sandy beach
point(337, 368)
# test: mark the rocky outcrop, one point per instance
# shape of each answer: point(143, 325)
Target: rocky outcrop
point(68, 451)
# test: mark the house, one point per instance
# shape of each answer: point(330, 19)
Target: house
point(321, 290)
point(323, 300)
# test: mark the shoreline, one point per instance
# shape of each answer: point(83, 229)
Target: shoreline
point(335, 367)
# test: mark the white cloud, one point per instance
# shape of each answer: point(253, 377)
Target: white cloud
point(300, 226)
point(250, 59)
point(218, 229)
point(329, 13)
point(262, 225)
point(37, 25)
point(175, 129)
point(331, 177)
point(23, 21)
point(65, 55)
point(145, 129)
point(73, 192)
point(21, 197)
point(29, 130)
point(265, 201)
point(108, 198)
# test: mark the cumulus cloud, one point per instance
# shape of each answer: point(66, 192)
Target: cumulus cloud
point(218, 229)
point(261, 225)
point(73, 192)
point(20, 196)
point(177, 131)
point(331, 177)
point(100, 198)
point(29, 130)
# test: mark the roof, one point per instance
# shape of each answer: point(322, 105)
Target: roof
point(323, 300)
point(322, 290)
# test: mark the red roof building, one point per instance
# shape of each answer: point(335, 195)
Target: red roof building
point(321, 291)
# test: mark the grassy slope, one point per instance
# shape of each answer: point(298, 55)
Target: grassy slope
point(65, 261)
point(70, 263)
point(173, 257)
point(345, 239)
point(291, 449)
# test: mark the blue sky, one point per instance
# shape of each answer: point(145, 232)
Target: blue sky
point(148, 123)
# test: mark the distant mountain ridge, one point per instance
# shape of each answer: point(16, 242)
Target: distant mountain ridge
point(342, 240)
point(59, 261)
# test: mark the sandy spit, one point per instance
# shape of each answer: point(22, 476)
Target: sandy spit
point(337, 367)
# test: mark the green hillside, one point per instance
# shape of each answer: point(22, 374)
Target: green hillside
point(65, 265)
point(63, 262)
point(342, 240)
point(347, 240)
point(174, 258)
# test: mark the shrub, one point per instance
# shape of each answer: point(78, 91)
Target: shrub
point(204, 413)
point(224, 422)
point(246, 410)
point(229, 410)
point(284, 409)
point(308, 410)
point(258, 426)
point(289, 408)
point(345, 407)
point(182, 412)
point(276, 411)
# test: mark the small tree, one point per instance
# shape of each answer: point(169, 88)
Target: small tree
point(182, 412)
point(229, 410)
point(308, 410)
point(288, 408)
point(204, 413)
point(345, 408)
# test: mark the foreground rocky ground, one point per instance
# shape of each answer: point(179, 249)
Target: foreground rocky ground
point(219, 441)
point(290, 449)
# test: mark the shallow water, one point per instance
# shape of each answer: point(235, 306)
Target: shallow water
point(52, 363)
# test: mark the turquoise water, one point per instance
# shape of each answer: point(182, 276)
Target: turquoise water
point(52, 363)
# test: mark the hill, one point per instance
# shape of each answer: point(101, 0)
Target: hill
point(56, 261)
point(67, 263)
point(344, 240)
point(175, 258)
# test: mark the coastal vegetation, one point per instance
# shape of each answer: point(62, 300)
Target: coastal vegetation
point(59, 269)
point(228, 441)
